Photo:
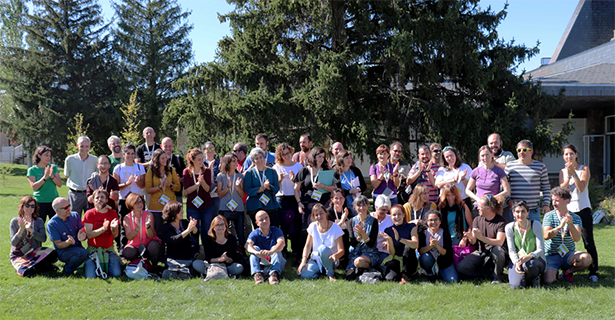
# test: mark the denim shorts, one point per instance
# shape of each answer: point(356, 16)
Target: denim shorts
point(556, 262)
point(373, 256)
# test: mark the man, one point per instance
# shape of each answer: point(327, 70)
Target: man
point(501, 157)
point(77, 169)
point(305, 144)
point(176, 162)
point(265, 246)
point(528, 178)
point(116, 157)
point(336, 148)
point(404, 169)
point(488, 234)
point(240, 150)
point(261, 141)
point(436, 153)
point(382, 205)
point(561, 230)
point(66, 232)
point(146, 150)
point(424, 171)
point(105, 181)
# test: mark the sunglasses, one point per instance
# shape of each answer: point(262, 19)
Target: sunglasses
point(213, 149)
point(489, 200)
point(31, 206)
point(63, 208)
point(519, 150)
point(436, 150)
point(236, 150)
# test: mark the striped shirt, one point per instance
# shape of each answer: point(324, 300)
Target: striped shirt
point(526, 182)
point(424, 179)
point(553, 220)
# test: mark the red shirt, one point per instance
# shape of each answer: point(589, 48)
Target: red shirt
point(96, 219)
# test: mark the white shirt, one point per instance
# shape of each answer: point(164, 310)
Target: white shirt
point(387, 222)
point(328, 239)
point(123, 171)
point(445, 175)
point(287, 187)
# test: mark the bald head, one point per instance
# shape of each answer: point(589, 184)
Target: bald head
point(336, 148)
point(149, 134)
point(167, 145)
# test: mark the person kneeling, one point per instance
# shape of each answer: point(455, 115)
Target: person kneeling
point(525, 248)
point(488, 234)
point(101, 227)
point(363, 250)
point(325, 243)
point(265, 246)
point(561, 230)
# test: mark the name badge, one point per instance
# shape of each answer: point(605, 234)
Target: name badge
point(562, 250)
point(164, 199)
point(197, 202)
point(264, 199)
point(521, 253)
point(435, 269)
point(232, 205)
point(316, 195)
point(388, 192)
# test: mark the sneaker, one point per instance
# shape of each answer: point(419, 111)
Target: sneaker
point(258, 278)
point(593, 278)
point(567, 276)
point(273, 278)
point(536, 282)
point(496, 281)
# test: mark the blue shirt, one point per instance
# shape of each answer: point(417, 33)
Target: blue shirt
point(59, 229)
point(269, 163)
point(266, 242)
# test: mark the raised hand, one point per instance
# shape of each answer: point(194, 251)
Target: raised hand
point(106, 224)
point(70, 240)
point(266, 185)
point(115, 223)
point(238, 182)
point(396, 234)
point(291, 175)
point(192, 224)
point(29, 226)
point(48, 171)
point(22, 223)
point(81, 235)
point(433, 242)
point(396, 169)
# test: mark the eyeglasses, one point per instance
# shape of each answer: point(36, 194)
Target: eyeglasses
point(213, 149)
point(236, 150)
point(31, 206)
point(519, 150)
point(64, 208)
point(436, 150)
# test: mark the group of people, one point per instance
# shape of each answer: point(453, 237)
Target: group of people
point(437, 216)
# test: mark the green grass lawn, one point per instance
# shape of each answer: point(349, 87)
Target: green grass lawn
point(52, 296)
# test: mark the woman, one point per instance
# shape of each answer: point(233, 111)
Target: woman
point(575, 177)
point(363, 250)
point(140, 233)
point(130, 177)
point(487, 177)
point(457, 217)
point(418, 205)
point(436, 246)
point(525, 248)
point(161, 182)
point(28, 257)
point(261, 184)
point(213, 164)
point(402, 240)
point(339, 213)
point(231, 192)
point(349, 178)
point(306, 182)
point(197, 182)
point(454, 171)
point(101, 227)
point(221, 246)
point(286, 197)
point(177, 233)
point(323, 247)
point(384, 176)
point(45, 180)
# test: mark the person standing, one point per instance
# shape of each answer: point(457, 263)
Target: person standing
point(424, 172)
point(105, 181)
point(177, 163)
point(145, 152)
point(213, 163)
point(261, 141)
point(116, 157)
point(403, 194)
point(501, 157)
point(305, 143)
point(77, 169)
point(575, 177)
point(44, 179)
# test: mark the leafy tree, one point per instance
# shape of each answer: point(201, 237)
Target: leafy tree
point(65, 70)
point(365, 73)
point(130, 132)
point(151, 40)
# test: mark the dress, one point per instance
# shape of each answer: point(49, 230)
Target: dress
point(27, 255)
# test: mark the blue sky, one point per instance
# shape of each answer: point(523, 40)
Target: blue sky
point(527, 22)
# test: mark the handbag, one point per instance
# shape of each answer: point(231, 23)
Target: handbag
point(136, 271)
point(460, 252)
point(216, 271)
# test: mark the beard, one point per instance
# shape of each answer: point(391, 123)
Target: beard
point(305, 149)
point(497, 152)
point(117, 149)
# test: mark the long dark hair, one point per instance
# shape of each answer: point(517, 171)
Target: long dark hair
point(156, 165)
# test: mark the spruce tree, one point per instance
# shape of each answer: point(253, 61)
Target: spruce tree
point(153, 48)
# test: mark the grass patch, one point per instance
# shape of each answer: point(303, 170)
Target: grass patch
point(52, 296)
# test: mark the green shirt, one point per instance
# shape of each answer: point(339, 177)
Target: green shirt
point(48, 191)
point(114, 162)
point(530, 239)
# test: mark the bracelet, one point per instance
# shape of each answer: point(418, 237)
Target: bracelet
point(575, 176)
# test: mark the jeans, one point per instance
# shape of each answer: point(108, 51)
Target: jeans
point(291, 227)
point(311, 270)
point(278, 263)
point(238, 224)
point(534, 215)
point(115, 267)
point(473, 265)
point(203, 222)
point(533, 268)
point(588, 238)
point(78, 201)
point(427, 261)
point(215, 204)
point(73, 257)
point(234, 269)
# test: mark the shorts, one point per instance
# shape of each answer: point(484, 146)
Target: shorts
point(556, 262)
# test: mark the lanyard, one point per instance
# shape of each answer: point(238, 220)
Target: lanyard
point(147, 148)
point(384, 170)
point(126, 171)
point(258, 174)
point(564, 230)
point(336, 215)
point(194, 179)
point(233, 181)
point(527, 226)
point(347, 179)
point(314, 178)
point(163, 187)
point(141, 230)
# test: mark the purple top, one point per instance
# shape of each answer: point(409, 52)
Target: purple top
point(375, 169)
point(487, 180)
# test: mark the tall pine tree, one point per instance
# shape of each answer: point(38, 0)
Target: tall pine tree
point(65, 70)
point(151, 40)
point(365, 73)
